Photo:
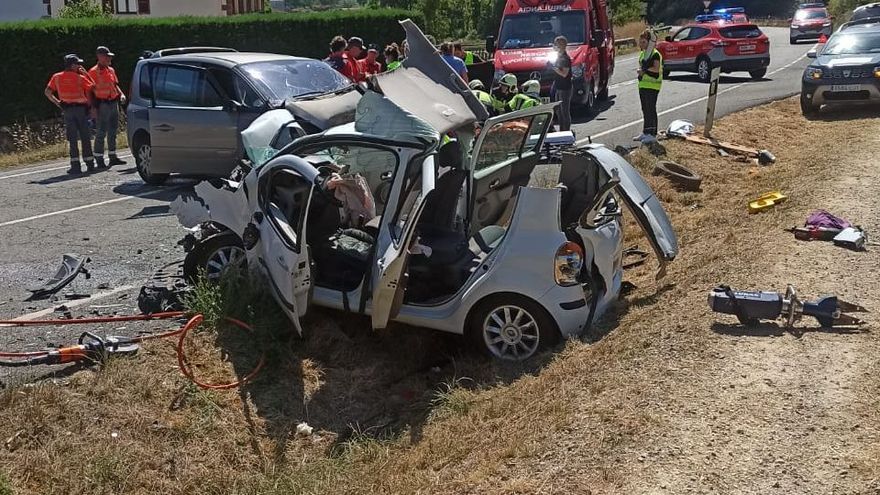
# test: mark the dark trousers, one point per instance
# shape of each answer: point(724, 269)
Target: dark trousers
point(77, 126)
point(648, 98)
point(563, 111)
point(107, 124)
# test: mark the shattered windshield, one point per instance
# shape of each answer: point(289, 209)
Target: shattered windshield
point(539, 29)
point(851, 44)
point(283, 79)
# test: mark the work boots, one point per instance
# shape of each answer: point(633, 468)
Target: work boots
point(90, 165)
point(99, 161)
point(75, 168)
point(114, 160)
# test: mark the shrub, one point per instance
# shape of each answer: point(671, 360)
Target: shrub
point(36, 48)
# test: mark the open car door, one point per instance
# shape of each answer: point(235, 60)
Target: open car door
point(642, 203)
point(504, 156)
point(284, 191)
point(397, 236)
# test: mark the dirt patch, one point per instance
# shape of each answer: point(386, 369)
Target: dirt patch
point(663, 397)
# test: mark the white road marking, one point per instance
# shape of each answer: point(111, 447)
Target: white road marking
point(624, 83)
point(52, 167)
point(679, 107)
point(72, 304)
point(84, 207)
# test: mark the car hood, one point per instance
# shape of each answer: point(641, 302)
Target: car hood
point(853, 59)
point(326, 111)
point(535, 59)
point(641, 201)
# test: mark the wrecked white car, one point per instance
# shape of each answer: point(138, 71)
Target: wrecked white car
point(389, 216)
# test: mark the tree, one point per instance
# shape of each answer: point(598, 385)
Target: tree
point(80, 9)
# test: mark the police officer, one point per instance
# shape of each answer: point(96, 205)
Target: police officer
point(479, 90)
point(504, 92)
point(530, 96)
point(108, 96)
point(650, 74)
point(71, 91)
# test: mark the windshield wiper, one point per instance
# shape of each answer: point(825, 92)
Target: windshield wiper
point(311, 95)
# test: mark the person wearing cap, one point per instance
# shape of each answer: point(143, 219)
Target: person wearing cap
point(530, 96)
point(479, 90)
point(392, 57)
point(563, 87)
point(71, 91)
point(335, 59)
point(456, 63)
point(352, 69)
point(369, 65)
point(108, 96)
point(470, 58)
point(503, 93)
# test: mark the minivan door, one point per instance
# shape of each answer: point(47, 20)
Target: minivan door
point(411, 186)
point(193, 129)
point(504, 156)
point(284, 192)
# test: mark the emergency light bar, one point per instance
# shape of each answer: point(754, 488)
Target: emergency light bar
point(730, 10)
point(709, 17)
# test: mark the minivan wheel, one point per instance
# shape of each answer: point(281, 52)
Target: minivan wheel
point(143, 155)
point(704, 69)
point(511, 327)
point(213, 256)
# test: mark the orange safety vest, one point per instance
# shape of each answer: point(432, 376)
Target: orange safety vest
point(105, 83)
point(72, 87)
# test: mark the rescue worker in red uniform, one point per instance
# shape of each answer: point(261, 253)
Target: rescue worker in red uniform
point(370, 66)
point(108, 96)
point(352, 68)
point(71, 91)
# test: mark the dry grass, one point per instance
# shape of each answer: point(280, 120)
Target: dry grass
point(386, 422)
point(28, 144)
point(629, 30)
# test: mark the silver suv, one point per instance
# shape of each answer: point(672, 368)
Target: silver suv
point(188, 106)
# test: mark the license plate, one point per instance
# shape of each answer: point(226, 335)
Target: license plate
point(545, 99)
point(747, 48)
point(846, 87)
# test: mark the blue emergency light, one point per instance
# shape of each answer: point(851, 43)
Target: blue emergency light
point(730, 10)
point(708, 17)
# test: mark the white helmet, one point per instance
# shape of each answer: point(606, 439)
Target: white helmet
point(531, 87)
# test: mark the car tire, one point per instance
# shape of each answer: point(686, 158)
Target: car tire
point(792, 41)
point(809, 110)
point(682, 177)
point(511, 327)
point(758, 74)
point(143, 154)
point(704, 69)
point(213, 256)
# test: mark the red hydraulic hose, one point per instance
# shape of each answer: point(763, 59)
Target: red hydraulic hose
point(194, 322)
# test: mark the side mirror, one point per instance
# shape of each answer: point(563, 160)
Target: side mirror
point(669, 38)
point(490, 44)
point(812, 54)
point(598, 37)
point(233, 106)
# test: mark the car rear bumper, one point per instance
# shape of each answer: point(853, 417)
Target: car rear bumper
point(824, 93)
point(745, 64)
point(809, 34)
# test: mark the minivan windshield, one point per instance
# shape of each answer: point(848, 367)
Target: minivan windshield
point(283, 79)
point(853, 43)
point(539, 29)
point(803, 15)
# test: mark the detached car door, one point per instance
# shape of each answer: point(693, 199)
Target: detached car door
point(284, 192)
point(504, 156)
point(411, 186)
point(192, 127)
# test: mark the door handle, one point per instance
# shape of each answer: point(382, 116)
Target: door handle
point(495, 184)
point(164, 127)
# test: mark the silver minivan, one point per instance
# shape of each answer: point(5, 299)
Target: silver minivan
point(188, 106)
point(420, 211)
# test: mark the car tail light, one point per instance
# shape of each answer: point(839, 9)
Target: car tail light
point(568, 264)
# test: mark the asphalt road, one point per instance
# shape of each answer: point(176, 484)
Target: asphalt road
point(125, 228)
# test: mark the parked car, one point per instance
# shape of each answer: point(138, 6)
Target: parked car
point(188, 105)
point(845, 70)
point(700, 46)
point(810, 23)
point(441, 234)
point(525, 45)
point(866, 11)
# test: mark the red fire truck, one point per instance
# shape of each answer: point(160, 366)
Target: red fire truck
point(525, 44)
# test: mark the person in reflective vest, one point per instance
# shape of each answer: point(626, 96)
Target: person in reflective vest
point(530, 96)
point(108, 96)
point(71, 91)
point(504, 92)
point(392, 57)
point(470, 58)
point(650, 74)
point(479, 90)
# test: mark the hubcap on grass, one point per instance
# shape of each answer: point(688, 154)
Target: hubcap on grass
point(222, 259)
point(511, 333)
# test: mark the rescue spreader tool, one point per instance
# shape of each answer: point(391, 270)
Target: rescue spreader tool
point(750, 307)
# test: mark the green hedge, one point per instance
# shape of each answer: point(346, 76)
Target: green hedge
point(33, 50)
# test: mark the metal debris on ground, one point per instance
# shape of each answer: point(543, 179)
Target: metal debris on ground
point(164, 291)
point(71, 266)
point(751, 307)
point(764, 157)
point(766, 201)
